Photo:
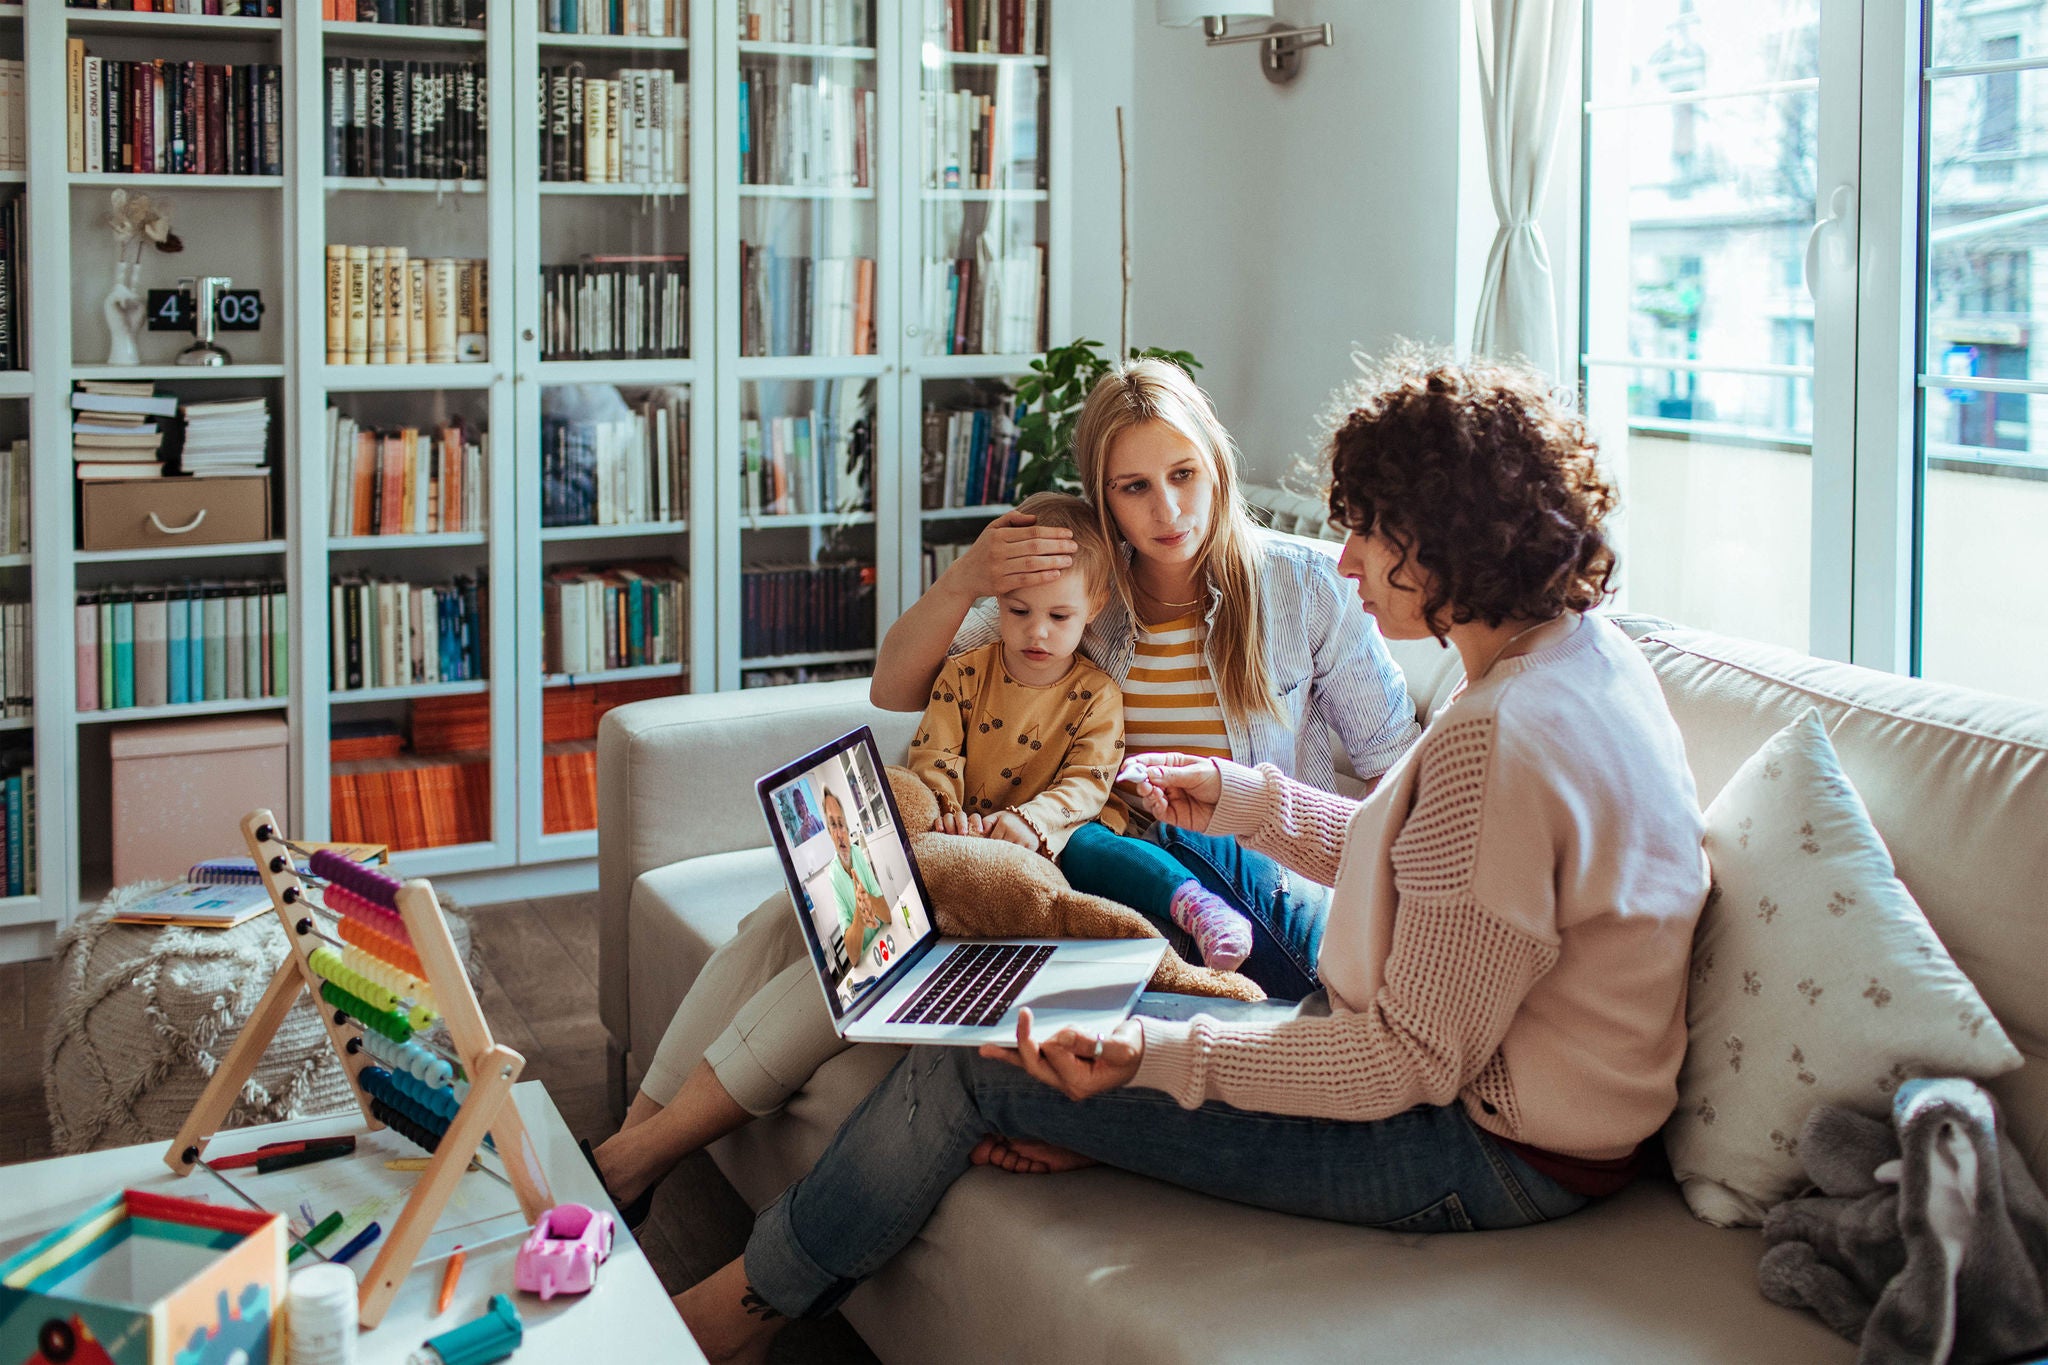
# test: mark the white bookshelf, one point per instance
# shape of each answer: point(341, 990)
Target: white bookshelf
point(270, 232)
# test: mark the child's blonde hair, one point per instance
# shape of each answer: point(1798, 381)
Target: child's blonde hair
point(1140, 391)
point(1092, 555)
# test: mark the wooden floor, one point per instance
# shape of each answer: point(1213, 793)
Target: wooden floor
point(538, 987)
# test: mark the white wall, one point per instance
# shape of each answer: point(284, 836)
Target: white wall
point(1277, 228)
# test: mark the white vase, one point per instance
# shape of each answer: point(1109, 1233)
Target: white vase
point(123, 308)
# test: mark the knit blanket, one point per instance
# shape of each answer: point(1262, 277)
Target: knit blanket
point(143, 1015)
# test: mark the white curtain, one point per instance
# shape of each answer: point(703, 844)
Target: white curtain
point(1524, 70)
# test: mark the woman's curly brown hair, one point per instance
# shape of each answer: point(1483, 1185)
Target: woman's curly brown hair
point(1480, 475)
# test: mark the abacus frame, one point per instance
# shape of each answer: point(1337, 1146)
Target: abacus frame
point(491, 1067)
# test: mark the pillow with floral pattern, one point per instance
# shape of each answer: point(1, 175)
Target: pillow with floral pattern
point(1815, 979)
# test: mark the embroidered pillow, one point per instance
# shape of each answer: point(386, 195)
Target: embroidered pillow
point(1815, 980)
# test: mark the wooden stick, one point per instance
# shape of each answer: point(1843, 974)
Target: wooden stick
point(490, 1091)
point(226, 1083)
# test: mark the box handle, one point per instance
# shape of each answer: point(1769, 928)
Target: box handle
point(192, 525)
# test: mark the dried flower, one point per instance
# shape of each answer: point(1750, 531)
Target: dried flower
point(136, 218)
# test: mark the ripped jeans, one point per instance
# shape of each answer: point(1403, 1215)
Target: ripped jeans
point(1430, 1169)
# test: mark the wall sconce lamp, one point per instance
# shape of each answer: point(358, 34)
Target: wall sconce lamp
point(1280, 47)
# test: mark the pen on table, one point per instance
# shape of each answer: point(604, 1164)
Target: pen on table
point(331, 1146)
point(448, 1279)
point(370, 1233)
point(319, 1233)
point(284, 1161)
point(418, 1163)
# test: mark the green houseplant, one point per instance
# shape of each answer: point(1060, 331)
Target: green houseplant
point(1050, 399)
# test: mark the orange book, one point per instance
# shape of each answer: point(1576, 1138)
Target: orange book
point(391, 472)
point(863, 305)
point(586, 789)
point(340, 816)
point(405, 805)
point(379, 823)
point(452, 489)
point(409, 481)
point(433, 824)
point(476, 802)
point(363, 482)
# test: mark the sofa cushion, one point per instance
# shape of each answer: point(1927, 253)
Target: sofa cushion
point(1633, 1279)
point(677, 917)
point(1956, 782)
point(1815, 980)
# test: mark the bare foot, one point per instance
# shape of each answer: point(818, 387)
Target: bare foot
point(1026, 1156)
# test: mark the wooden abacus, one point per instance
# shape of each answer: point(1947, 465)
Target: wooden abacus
point(392, 971)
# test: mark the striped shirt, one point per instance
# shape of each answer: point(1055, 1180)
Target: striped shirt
point(1170, 702)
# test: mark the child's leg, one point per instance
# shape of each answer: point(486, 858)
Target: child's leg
point(1159, 886)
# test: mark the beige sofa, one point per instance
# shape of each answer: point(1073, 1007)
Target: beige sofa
point(1103, 1266)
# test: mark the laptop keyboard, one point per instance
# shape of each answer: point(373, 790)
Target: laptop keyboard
point(975, 985)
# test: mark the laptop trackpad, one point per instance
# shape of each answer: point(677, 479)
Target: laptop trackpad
point(1080, 985)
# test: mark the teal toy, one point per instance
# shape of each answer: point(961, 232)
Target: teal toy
point(493, 1336)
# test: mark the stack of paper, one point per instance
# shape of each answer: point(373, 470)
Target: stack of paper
point(115, 433)
point(229, 436)
point(200, 907)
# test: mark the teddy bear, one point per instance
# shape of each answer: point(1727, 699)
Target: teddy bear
point(990, 888)
point(1929, 1240)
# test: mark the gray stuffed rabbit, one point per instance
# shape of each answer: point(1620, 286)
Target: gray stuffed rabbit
point(1929, 1240)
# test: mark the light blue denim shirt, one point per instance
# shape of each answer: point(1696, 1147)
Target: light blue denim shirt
point(1331, 671)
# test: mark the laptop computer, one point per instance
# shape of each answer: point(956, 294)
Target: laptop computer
point(887, 973)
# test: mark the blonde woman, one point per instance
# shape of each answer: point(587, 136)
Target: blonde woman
point(1228, 641)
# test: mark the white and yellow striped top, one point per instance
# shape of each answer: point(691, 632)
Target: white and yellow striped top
point(1170, 701)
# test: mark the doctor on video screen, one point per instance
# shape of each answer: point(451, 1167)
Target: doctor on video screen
point(863, 911)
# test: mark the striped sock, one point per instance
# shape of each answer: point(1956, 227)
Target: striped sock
point(1223, 935)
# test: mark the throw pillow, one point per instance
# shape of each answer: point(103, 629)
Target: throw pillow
point(1815, 980)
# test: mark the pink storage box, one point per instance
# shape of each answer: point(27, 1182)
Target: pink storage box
point(182, 787)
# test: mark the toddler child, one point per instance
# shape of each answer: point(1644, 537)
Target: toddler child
point(1023, 737)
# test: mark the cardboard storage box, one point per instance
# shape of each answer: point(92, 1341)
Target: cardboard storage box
point(145, 514)
point(182, 787)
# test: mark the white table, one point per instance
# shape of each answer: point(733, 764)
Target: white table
point(627, 1317)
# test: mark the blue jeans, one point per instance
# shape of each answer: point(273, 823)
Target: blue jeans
point(1287, 910)
point(1430, 1169)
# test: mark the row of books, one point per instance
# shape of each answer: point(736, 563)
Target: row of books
point(600, 617)
point(386, 633)
point(985, 305)
point(410, 802)
point(971, 456)
point(819, 461)
point(937, 558)
point(168, 643)
point(386, 307)
point(806, 673)
point(174, 118)
point(629, 128)
point(615, 464)
point(571, 711)
point(616, 308)
point(407, 119)
point(13, 355)
point(1015, 26)
point(245, 9)
point(618, 18)
point(13, 115)
point(15, 507)
point(970, 145)
point(403, 480)
point(17, 659)
point(818, 133)
point(568, 794)
point(118, 429)
point(430, 13)
point(836, 23)
point(806, 608)
point(19, 851)
point(804, 305)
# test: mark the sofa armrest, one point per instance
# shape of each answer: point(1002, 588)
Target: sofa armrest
point(676, 780)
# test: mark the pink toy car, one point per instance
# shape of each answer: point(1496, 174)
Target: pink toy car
point(562, 1253)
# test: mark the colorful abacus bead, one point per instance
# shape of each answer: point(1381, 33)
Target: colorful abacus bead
point(402, 984)
point(440, 1103)
point(416, 1060)
point(329, 964)
point(343, 901)
point(359, 931)
point(383, 1087)
point(404, 1126)
point(379, 888)
point(370, 1017)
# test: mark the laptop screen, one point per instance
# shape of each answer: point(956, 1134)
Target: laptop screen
point(848, 864)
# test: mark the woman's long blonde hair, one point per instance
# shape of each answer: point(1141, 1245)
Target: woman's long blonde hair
point(1141, 391)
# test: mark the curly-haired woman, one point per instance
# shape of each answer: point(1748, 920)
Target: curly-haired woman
point(1505, 953)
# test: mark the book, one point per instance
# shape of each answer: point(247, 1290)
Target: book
point(197, 906)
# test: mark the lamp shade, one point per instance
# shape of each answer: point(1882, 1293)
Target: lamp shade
point(1181, 13)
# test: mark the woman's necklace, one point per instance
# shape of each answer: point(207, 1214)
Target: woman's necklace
point(1526, 630)
point(1159, 601)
